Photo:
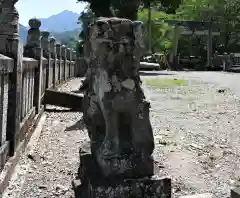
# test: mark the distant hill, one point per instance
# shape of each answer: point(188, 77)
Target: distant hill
point(62, 26)
point(23, 31)
point(64, 21)
point(62, 36)
point(66, 38)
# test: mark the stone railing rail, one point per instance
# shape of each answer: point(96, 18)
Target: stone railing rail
point(235, 57)
point(226, 61)
point(25, 74)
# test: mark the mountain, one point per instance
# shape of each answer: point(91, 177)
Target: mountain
point(64, 21)
point(67, 38)
point(62, 26)
point(63, 36)
point(23, 31)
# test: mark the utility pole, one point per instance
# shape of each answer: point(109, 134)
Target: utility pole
point(149, 27)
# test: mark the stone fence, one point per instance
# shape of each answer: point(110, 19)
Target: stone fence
point(26, 72)
point(226, 61)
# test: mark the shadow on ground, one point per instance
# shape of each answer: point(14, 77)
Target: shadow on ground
point(79, 125)
point(55, 110)
point(76, 91)
point(142, 73)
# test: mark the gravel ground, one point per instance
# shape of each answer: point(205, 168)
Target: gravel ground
point(196, 129)
point(54, 163)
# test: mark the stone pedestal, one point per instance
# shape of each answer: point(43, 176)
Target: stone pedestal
point(92, 184)
point(137, 188)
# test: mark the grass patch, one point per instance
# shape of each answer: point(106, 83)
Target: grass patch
point(163, 82)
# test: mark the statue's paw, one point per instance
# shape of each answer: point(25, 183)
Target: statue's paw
point(110, 155)
point(108, 152)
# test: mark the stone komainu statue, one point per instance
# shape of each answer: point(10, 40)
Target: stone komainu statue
point(116, 113)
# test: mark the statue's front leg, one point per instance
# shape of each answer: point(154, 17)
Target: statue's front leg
point(110, 145)
point(142, 135)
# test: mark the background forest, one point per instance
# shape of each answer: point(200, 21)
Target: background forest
point(224, 13)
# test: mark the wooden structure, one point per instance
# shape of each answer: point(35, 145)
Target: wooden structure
point(193, 27)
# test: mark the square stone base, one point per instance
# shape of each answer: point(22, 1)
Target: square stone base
point(89, 167)
point(91, 184)
point(131, 188)
point(137, 188)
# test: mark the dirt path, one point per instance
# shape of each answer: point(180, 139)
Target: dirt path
point(51, 169)
point(218, 78)
point(197, 137)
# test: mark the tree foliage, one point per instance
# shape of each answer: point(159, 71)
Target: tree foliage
point(224, 13)
point(86, 17)
point(160, 34)
point(128, 9)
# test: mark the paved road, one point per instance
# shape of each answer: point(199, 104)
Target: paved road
point(222, 79)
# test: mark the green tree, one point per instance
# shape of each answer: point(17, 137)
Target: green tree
point(228, 18)
point(160, 33)
point(127, 9)
point(222, 12)
point(86, 17)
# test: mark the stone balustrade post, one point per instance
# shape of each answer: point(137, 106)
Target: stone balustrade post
point(64, 54)
point(225, 58)
point(58, 50)
point(69, 62)
point(45, 44)
point(59, 57)
point(74, 57)
point(11, 46)
point(33, 49)
point(54, 59)
point(228, 65)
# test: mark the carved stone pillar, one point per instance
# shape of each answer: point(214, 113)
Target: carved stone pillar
point(74, 58)
point(53, 54)
point(33, 38)
point(63, 68)
point(69, 58)
point(59, 62)
point(52, 41)
point(71, 63)
point(33, 49)
point(45, 43)
point(11, 47)
point(58, 50)
point(9, 27)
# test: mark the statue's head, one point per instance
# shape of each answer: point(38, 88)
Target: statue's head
point(115, 37)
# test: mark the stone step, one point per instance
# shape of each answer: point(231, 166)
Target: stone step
point(63, 99)
point(235, 193)
point(206, 195)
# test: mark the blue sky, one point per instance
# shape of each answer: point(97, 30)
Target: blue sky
point(45, 8)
